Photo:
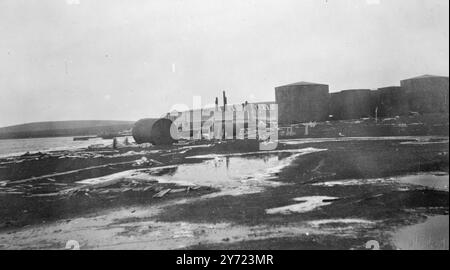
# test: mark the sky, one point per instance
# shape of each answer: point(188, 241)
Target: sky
point(127, 60)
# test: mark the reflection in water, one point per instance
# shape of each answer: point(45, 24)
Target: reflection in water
point(219, 170)
point(232, 175)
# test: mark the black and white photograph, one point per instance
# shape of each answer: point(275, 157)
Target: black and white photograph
point(237, 125)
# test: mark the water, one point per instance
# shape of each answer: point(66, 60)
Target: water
point(13, 147)
point(232, 175)
point(438, 181)
point(410, 139)
point(429, 235)
point(307, 204)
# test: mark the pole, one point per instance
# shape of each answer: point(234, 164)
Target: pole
point(223, 115)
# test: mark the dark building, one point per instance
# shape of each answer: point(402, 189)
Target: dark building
point(427, 93)
point(351, 104)
point(302, 102)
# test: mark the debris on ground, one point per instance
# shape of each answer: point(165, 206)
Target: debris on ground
point(177, 190)
point(161, 193)
point(142, 161)
point(145, 145)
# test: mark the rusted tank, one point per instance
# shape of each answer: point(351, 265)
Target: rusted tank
point(154, 131)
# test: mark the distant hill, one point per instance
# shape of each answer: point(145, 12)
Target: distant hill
point(64, 128)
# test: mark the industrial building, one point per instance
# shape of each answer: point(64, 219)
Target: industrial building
point(351, 104)
point(427, 93)
point(302, 102)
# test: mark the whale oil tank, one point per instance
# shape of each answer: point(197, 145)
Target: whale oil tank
point(392, 102)
point(302, 102)
point(427, 93)
point(154, 131)
point(351, 104)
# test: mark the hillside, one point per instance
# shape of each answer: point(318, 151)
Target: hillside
point(63, 128)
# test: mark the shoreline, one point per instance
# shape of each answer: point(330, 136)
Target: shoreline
point(202, 199)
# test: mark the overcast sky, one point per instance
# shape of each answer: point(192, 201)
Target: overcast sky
point(126, 60)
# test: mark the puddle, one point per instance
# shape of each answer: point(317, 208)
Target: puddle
point(134, 153)
point(436, 181)
point(307, 204)
point(351, 182)
point(301, 151)
point(427, 140)
point(433, 234)
point(196, 146)
point(423, 143)
point(234, 174)
point(412, 139)
point(345, 221)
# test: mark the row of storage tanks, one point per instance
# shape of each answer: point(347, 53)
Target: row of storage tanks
point(305, 102)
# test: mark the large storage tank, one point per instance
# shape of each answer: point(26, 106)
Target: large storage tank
point(392, 101)
point(427, 93)
point(302, 102)
point(351, 104)
point(374, 102)
point(154, 131)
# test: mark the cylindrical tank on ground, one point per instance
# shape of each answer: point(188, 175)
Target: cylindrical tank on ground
point(351, 104)
point(374, 103)
point(154, 131)
point(302, 102)
point(427, 93)
point(392, 101)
